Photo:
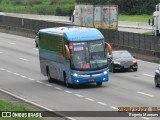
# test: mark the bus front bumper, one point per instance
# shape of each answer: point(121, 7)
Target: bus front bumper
point(83, 79)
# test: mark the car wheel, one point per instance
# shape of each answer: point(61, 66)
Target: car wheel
point(112, 68)
point(156, 83)
point(99, 83)
point(135, 69)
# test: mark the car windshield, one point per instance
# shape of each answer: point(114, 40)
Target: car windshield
point(88, 55)
point(121, 54)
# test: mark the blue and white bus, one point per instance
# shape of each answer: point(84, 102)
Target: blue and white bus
point(75, 55)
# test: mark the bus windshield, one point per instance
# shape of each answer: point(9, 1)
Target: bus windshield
point(88, 55)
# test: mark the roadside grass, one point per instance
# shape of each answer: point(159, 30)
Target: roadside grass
point(149, 33)
point(6, 106)
point(45, 7)
point(134, 18)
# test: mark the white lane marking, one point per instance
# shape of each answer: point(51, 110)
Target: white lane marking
point(11, 43)
point(148, 75)
point(31, 79)
point(58, 88)
point(145, 118)
point(39, 81)
point(114, 107)
point(68, 92)
point(9, 71)
point(148, 62)
point(1, 52)
point(35, 49)
point(24, 59)
point(89, 99)
point(146, 94)
point(49, 85)
point(15, 73)
point(78, 95)
point(70, 118)
point(23, 76)
point(3, 69)
point(101, 103)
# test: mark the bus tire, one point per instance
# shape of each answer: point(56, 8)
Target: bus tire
point(49, 75)
point(65, 81)
point(99, 83)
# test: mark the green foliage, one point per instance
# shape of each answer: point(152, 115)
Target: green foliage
point(45, 7)
point(58, 11)
point(149, 33)
point(66, 7)
point(34, 2)
point(18, 2)
point(64, 11)
point(132, 7)
point(45, 11)
point(134, 18)
point(94, 2)
point(6, 106)
point(52, 2)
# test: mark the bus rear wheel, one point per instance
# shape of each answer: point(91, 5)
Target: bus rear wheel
point(49, 76)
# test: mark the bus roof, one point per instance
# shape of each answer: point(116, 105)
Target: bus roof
point(74, 33)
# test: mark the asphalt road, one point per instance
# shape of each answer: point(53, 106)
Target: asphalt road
point(20, 74)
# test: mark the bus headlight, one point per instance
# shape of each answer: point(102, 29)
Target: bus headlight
point(105, 72)
point(75, 74)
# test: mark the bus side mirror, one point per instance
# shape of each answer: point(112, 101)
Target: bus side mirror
point(67, 52)
point(109, 56)
point(109, 48)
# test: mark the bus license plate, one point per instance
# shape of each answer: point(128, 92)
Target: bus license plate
point(91, 80)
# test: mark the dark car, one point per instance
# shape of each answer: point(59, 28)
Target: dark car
point(157, 77)
point(122, 60)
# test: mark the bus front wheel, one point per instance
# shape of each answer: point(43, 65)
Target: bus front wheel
point(99, 83)
point(65, 81)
